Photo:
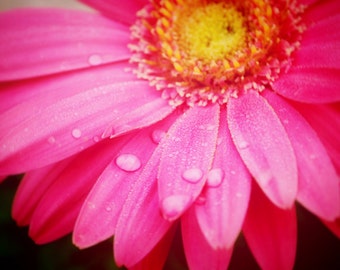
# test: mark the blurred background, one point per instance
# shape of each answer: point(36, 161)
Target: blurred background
point(317, 247)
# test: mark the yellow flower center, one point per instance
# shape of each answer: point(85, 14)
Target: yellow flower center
point(204, 51)
point(209, 32)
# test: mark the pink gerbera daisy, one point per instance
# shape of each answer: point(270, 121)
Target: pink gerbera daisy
point(209, 115)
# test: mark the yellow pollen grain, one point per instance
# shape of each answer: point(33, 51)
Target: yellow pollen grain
point(210, 31)
point(168, 5)
point(178, 67)
point(165, 12)
point(165, 22)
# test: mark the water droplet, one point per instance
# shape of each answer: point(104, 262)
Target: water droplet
point(128, 162)
point(91, 205)
point(233, 172)
point(174, 205)
point(51, 140)
point(243, 145)
point(96, 139)
point(215, 177)
point(192, 175)
point(95, 59)
point(108, 208)
point(157, 135)
point(76, 133)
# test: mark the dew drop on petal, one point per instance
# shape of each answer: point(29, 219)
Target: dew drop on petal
point(157, 135)
point(51, 140)
point(192, 175)
point(95, 60)
point(174, 205)
point(243, 145)
point(128, 162)
point(239, 195)
point(91, 205)
point(108, 208)
point(215, 177)
point(76, 133)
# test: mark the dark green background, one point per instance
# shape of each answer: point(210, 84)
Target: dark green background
point(317, 247)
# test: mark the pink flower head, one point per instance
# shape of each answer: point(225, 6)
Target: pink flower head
point(212, 116)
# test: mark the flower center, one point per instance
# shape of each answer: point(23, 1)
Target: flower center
point(210, 32)
point(204, 51)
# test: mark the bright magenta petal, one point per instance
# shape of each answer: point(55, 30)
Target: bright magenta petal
point(79, 112)
point(62, 201)
point(156, 258)
point(187, 156)
point(221, 222)
point(124, 11)
point(57, 41)
point(326, 122)
point(270, 232)
point(320, 11)
point(315, 75)
point(140, 226)
point(198, 252)
point(313, 85)
point(99, 214)
point(318, 181)
point(32, 188)
point(334, 226)
point(264, 147)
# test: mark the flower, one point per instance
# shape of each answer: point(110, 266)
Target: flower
point(211, 116)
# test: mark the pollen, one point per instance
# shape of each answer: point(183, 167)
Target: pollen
point(204, 51)
point(209, 32)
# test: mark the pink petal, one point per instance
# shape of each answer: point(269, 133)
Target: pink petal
point(57, 41)
point(58, 209)
point(326, 122)
point(321, 12)
point(140, 226)
point(334, 226)
point(264, 147)
point(2, 178)
point(187, 156)
point(270, 232)
point(32, 188)
point(318, 181)
point(315, 54)
point(312, 85)
point(46, 128)
point(199, 254)
point(223, 208)
point(315, 74)
point(156, 258)
point(99, 215)
point(124, 11)
point(61, 86)
point(307, 2)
